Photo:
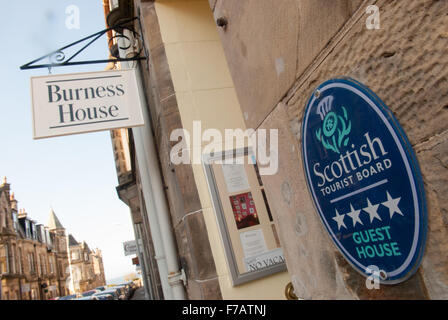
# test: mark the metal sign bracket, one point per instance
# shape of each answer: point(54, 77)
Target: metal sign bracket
point(59, 58)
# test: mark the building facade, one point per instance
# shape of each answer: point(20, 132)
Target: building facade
point(34, 261)
point(232, 64)
point(178, 93)
point(86, 267)
point(397, 49)
point(129, 191)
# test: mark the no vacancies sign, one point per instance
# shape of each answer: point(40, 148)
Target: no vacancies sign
point(365, 180)
point(85, 102)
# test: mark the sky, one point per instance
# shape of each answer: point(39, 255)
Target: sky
point(75, 175)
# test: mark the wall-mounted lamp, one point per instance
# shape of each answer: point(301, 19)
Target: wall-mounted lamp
point(123, 12)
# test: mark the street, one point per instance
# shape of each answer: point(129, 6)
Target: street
point(139, 294)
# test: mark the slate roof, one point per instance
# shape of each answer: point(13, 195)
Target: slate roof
point(86, 247)
point(72, 241)
point(53, 221)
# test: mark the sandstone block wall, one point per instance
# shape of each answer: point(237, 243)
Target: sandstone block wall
point(404, 63)
point(181, 190)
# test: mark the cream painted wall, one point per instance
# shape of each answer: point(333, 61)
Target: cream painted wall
point(205, 92)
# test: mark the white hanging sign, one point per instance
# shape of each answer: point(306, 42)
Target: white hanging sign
point(130, 247)
point(85, 102)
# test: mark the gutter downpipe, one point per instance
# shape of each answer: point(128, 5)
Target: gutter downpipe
point(142, 258)
point(142, 262)
point(140, 154)
point(154, 225)
point(171, 275)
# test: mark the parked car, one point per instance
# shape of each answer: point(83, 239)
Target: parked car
point(102, 296)
point(113, 292)
point(69, 297)
point(87, 298)
point(130, 287)
point(102, 288)
point(124, 292)
point(124, 289)
point(89, 293)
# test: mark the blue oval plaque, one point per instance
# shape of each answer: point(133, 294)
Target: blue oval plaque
point(365, 180)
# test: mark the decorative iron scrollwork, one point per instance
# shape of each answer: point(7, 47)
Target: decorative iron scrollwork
point(59, 58)
point(134, 42)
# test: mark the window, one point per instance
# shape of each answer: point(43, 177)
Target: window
point(62, 270)
point(43, 263)
point(43, 235)
point(2, 219)
point(27, 229)
point(31, 262)
point(62, 245)
point(13, 259)
point(19, 260)
point(51, 265)
point(39, 269)
point(33, 229)
point(4, 264)
point(47, 236)
point(16, 220)
point(75, 255)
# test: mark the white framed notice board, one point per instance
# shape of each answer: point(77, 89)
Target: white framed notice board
point(248, 233)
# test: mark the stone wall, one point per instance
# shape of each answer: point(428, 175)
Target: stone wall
point(278, 56)
point(182, 194)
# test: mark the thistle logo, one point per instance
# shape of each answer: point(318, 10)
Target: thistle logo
point(335, 128)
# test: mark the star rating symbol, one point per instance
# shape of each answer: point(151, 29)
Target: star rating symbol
point(392, 204)
point(372, 210)
point(354, 214)
point(340, 220)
